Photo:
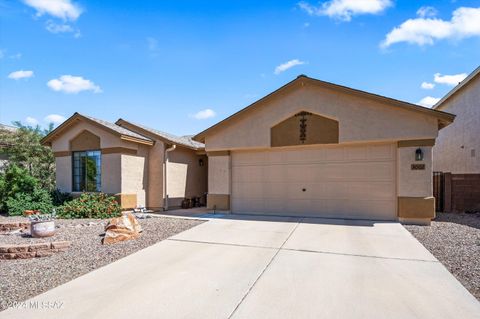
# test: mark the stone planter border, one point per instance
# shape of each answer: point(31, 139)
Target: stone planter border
point(33, 250)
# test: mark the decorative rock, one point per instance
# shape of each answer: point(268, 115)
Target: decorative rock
point(122, 228)
point(18, 248)
point(60, 244)
point(44, 253)
point(40, 246)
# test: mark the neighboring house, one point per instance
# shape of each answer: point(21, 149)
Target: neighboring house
point(457, 151)
point(141, 166)
point(4, 145)
point(313, 148)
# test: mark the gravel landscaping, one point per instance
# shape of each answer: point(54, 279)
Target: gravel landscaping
point(24, 278)
point(454, 239)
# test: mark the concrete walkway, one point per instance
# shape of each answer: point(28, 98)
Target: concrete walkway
point(244, 267)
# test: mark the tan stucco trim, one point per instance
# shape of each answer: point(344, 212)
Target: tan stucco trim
point(218, 153)
point(416, 207)
point(126, 201)
point(136, 140)
point(62, 154)
point(121, 150)
point(412, 143)
point(218, 201)
point(444, 118)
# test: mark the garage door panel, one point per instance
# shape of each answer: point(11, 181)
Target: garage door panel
point(334, 181)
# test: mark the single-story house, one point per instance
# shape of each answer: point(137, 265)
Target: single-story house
point(140, 165)
point(313, 148)
point(310, 148)
point(457, 151)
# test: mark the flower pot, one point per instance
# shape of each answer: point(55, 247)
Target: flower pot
point(42, 229)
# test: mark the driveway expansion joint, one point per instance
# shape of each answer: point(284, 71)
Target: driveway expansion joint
point(264, 269)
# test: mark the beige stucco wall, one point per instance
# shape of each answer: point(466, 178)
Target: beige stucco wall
point(134, 170)
point(63, 173)
point(185, 177)
point(111, 173)
point(155, 176)
point(458, 145)
point(360, 119)
point(414, 183)
point(219, 174)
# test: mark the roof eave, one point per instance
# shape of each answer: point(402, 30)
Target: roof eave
point(162, 138)
point(47, 140)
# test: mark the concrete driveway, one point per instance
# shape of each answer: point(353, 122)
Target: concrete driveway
point(245, 267)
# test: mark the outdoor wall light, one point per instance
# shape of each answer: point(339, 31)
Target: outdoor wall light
point(200, 162)
point(419, 154)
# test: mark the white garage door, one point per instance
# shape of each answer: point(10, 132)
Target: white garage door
point(327, 181)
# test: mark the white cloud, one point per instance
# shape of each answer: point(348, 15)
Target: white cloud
point(58, 28)
point(428, 101)
point(21, 74)
point(73, 84)
point(204, 114)
point(54, 118)
point(427, 85)
point(451, 80)
point(287, 65)
point(31, 121)
point(63, 9)
point(16, 56)
point(465, 23)
point(426, 11)
point(345, 9)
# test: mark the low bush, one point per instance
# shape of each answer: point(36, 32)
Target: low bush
point(90, 205)
point(59, 198)
point(38, 199)
point(13, 181)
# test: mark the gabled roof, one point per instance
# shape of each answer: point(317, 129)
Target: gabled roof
point(122, 132)
point(186, 140)
point(457, 88)
point(443, 118)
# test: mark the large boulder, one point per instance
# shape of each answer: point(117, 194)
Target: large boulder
point(122, 228)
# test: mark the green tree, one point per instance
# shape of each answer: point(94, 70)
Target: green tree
point(24, 150)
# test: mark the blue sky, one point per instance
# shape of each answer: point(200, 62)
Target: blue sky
point(181, 66)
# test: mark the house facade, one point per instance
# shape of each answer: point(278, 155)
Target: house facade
point(310, 149)
point(139, 165)
point(457, 151)
point(317, 149)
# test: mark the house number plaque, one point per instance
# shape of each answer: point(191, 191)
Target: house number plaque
point(418, 167)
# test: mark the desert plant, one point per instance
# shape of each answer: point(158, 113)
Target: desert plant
point(24, 149)
point(15, 180)
point(90, 205)
point(38, 199)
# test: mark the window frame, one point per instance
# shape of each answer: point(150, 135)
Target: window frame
point(98, 166)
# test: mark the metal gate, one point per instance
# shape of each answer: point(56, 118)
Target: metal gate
point(438, 190)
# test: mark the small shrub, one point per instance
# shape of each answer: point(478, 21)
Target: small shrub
point(59, 198)
point(15, 180)
point(39, 199)
point(90, 205)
